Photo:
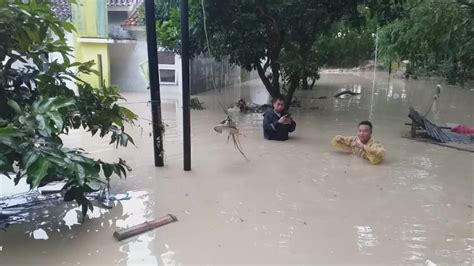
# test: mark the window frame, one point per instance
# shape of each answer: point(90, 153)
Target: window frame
point(168, 67)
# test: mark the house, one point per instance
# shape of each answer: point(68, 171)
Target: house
point(112, 34)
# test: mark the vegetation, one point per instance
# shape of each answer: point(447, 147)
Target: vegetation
point(348, 45)
point(37, 107)
point(288, 41)
point(275, 38)
point(436, 36)
point(195, 104)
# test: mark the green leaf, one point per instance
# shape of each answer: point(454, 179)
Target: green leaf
point(108, 169)
point(5, 165)
point(68, 26)
point(121, 170)
point(36, 104)
point(14, 105)
point(129, 115)
point(88, 189)
point(58, 162)
point(61, 102)
point(81, 173)
point(57, 119)
point(43, 128)
point(130, 139)
point(45, 105)
point(37, 171)
point(70, 194)
point(9, 131)
point(30, 158)
point(43, 31)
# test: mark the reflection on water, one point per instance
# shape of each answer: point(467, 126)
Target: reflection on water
point(366, 239)
point(39, 234)
point(295, 202)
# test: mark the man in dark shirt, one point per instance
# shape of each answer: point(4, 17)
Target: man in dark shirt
point(277, 122)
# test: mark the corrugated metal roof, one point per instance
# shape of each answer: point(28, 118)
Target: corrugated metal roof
point(121, 2)
point(61, 8)
point(436, 132)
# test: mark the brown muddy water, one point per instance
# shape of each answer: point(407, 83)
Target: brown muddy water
point(298, 201)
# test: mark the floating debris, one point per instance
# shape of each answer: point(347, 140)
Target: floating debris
point(195, 104)
point(337, 95)
point(229, 127)
point(144, 227)
point(319, 98)
point(250, 107)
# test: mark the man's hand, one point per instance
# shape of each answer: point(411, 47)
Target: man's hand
point(357, 144)
point(284, 120)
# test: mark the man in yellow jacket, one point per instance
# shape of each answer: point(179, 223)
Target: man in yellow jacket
point(362, 145)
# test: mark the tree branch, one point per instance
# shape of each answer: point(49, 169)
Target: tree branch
point(266, 82)
point(267, 64)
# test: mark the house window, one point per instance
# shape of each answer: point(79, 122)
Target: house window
point(167, 66)
point(165, 58)
point(168, 75)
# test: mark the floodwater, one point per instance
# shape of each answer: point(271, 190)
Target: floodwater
point(298, 201)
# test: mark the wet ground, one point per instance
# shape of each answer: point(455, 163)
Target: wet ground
point(298, 201)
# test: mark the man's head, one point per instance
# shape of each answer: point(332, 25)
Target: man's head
point(364, 131)
point(278, 104)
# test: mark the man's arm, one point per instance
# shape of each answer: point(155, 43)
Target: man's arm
point(341, 142)
point(270, 125)
point(375, 152)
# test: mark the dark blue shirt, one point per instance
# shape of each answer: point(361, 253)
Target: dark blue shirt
point(272, 130)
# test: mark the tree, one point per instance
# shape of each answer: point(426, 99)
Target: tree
point(347, 45)
point(436, 36)
point(37, 108)
point(278, 36)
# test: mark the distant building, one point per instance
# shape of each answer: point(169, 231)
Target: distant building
point(114, 31)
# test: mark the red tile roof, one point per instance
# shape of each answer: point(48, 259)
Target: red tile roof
point(132, 20)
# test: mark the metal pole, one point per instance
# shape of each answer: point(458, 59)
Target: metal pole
point(154, 82)
point(101, 71)
point(371, 112)
point(185, 84)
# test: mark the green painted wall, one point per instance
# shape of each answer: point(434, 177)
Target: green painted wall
point(90, 19)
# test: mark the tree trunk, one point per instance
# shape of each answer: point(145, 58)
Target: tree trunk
point(312, 84)
point(305, 84)
point(273, 49)
point(294, 83)
point(276, 76)
point(268, 85)
point(390, 67)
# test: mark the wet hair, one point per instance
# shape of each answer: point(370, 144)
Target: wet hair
point(278, 98)
point(365, 123)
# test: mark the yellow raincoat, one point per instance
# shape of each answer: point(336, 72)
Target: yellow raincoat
point(373, 150)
